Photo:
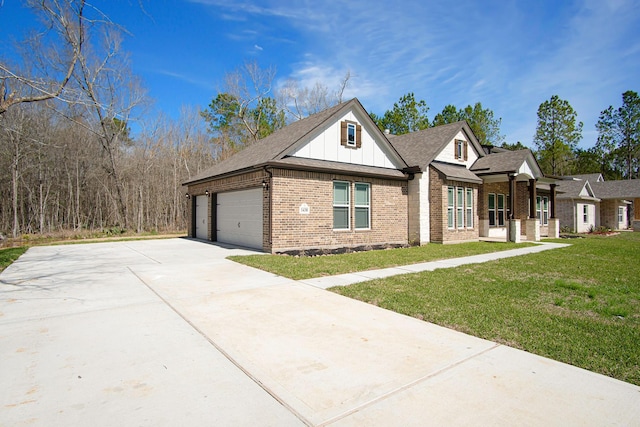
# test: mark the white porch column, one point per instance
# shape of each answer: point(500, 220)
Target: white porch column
point(514, 231)
point(533, 229)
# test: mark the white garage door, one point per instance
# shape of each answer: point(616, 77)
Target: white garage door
point(239, 218)
point(202, 217)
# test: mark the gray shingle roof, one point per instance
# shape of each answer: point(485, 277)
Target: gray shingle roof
point(505, 162)
point(456, 172)
point(301, 163)
point(273, 147)
point(591, 177)
point(570, 189)
point(623, 189)
point(420, 148)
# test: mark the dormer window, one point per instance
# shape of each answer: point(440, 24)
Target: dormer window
point(460, 149)
point(350, 134)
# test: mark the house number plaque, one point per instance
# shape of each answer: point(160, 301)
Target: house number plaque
point(304, 209)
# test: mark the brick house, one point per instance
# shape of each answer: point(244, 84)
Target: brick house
point(588, 201)
point(326, 182)
point(463, 191)
point(333, 181)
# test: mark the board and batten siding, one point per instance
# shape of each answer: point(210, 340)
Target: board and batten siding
point(447, 155)
point(326, 146)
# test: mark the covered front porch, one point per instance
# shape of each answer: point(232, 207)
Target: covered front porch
point(516, 201)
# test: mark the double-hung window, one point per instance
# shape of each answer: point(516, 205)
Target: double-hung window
point(351, 134)
point(460, 206)
point(469, 207)
point(341, 205)
point(492, 210)
point(501, 210)
point(585, 213)
point(542, 210)
point(450, 207)
point(363, 205)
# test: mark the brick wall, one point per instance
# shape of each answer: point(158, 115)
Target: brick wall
point(293, 230)
point(565, 211)
point(239, 182)
point(609, 214)
point(440, 231)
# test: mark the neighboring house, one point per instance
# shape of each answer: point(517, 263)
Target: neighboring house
point(595, 202)
point(578, 208)
point(334, 180)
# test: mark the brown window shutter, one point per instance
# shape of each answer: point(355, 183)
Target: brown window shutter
point(455, 149)
point(343, 133)
point(358, 136)
point(465, 149)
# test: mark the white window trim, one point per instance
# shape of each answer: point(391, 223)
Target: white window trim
point(353, 143)
point(498, 210)
point(368, 206)
point(460, 207)
point(451, 208)
point(468, 208)
point(348, 206)
point(494, 210)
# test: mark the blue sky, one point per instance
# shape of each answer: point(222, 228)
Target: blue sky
point(509, 55)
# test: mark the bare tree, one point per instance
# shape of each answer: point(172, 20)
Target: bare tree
point(111, 93)
point(300, 102)
point(47, 69)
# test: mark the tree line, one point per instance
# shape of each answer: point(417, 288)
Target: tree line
point(79, 150)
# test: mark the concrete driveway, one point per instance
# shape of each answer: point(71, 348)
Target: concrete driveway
point(168, 332)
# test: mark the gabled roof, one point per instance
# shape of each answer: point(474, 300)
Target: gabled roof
point(575, 189)
point(456, 172)
point(591, 177)
point(504, 162)
point(275, 147)
point(623, 189)
point(421, 148)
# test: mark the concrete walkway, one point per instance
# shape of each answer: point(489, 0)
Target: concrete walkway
point(362, 276)
point(168, 332)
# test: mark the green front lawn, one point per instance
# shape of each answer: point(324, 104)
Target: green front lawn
point(579, 305)
point(299, 268)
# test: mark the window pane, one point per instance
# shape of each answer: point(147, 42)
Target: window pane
point(460, 197)
point(340, 193)
point(500, 201)
point(450, 196)
point(460, 218)
point(351, 133)
point(501, 218)
point(469, 197)
point(492, 201)
point(538, 203)
point(362, 217)
point(450, 217)
point(492, 218)
point(362, 194)
point(340, 217)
